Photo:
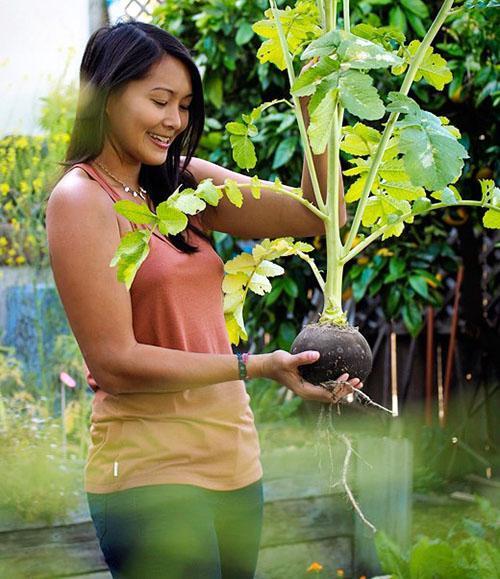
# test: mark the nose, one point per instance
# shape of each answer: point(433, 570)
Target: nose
point(172, 119)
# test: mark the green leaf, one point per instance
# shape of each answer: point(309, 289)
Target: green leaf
point(419, 285)
point(274, 294)
point(255, 187)
point(490, 193)
point(397, 269)
point(236, 128)
point(189, 203)
point(393, 301)
point(172, 220)
point(259, 284)
point(447, 195)
point(135, 213)
point(421, 205)
point(242, 263)
point(360, 285)
point(234, 282)
point(400, 103)
point(321, 122)
point(403, 190)
point(214, 90)
point(284, 152)
point(300, 24)
point(417, 24)
point(363, 54)
point(306, 83)
point(382, 35)
point(269, 268)
point(491, 219)
point(429, 558)
point(413, 320)
point(207, 191)
point(383, 210)
point(233, 192)
point(417, 7)
point(324, 45)
point(130, 254)
point(433, 157)
point(303, 246)
point(360, 140)
point(433, 67)
point(286, 335)
point(243, 151)
point(391, 557)
point(397, 18)
point(290, 287)
point(244, 33)
point(359, 96)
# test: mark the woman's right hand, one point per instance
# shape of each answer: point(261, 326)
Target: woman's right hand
point(283, 367)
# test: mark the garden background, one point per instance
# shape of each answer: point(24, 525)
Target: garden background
point(428, 304)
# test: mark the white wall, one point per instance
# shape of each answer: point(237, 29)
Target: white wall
point(37, 38)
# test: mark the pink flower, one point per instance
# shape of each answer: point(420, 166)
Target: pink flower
point(67, 379)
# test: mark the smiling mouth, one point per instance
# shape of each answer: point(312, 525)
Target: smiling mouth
point(163, 142)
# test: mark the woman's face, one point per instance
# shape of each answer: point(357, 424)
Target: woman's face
point(155, 105)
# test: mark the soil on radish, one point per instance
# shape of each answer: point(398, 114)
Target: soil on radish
point(343, 350)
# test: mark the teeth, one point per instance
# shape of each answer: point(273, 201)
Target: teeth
point(160, 138)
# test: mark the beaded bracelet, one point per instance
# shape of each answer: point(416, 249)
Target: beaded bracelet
point(242, 364)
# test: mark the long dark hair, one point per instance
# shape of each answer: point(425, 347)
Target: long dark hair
point(115, 55)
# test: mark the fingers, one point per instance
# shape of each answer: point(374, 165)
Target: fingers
point(307, 357)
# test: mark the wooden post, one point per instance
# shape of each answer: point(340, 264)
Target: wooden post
point(384, 493)
point(429, 366)
point(452, 343)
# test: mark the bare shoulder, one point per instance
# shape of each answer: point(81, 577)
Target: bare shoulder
point(77, 185)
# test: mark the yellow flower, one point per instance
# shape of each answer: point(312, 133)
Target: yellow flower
point(12, 252)
point(9, 261)
point(20, 259)
point(3, 241)
point(22, 143)
point(340, 572)
point(24, 187)
point(362, 260)
point(385, 252)
point(4, 188)
point(315, 567)
point(37, 185)
point(8, 206)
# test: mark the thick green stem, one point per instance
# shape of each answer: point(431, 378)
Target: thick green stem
point(389, 128)
point(333, 295)
point(346, 15)
point(331, 14)
point(332, 308)
point(298, 111)
point(376, 234)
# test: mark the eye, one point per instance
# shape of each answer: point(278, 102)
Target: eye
point(163, 104)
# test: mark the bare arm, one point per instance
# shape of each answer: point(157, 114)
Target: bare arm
point(83, 235)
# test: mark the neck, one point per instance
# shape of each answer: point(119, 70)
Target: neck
point(126, 171)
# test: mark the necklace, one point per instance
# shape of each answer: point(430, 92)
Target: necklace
point(141, 193)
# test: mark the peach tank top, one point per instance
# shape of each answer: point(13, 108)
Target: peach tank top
point(203, 436)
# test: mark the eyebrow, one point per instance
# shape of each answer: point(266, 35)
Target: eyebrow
point(169, 90)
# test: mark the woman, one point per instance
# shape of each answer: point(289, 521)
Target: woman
point(173, 477)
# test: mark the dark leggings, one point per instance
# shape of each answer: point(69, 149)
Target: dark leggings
point(179, 531)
